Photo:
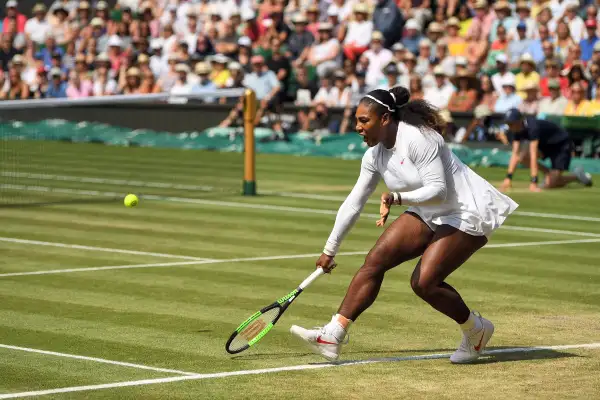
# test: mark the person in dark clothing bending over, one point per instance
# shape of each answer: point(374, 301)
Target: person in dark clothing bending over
point(546, 140)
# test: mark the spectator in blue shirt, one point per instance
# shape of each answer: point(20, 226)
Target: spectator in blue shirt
point(388, 20)
point(265, 84)
point(536, 48)
point(509, 98)
point(520, 45)
point(413, 36)
point(49, 51)
point(57, 88)
point(587, 45)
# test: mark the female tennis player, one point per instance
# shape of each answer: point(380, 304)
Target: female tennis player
point(453, 212)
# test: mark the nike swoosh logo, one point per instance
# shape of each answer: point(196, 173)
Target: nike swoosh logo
point(478, 347)
point(321, 341)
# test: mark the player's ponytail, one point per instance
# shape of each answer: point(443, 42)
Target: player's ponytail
point(397, 103)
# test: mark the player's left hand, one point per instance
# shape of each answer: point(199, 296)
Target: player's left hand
point(533, 187)
point(384, 208)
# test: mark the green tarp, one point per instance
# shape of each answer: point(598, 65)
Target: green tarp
point(231, 139)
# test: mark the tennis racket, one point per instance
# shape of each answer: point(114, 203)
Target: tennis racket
point(260, 323)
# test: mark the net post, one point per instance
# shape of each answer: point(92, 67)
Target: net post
point(249, 188)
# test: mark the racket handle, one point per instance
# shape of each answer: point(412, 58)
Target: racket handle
point(318, 272)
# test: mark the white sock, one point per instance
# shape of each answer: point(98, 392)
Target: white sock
point(473, 324)
point(336, 329)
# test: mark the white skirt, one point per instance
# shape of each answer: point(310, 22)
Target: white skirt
point(478, 209)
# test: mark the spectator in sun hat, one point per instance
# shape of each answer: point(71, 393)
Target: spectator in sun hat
point(13, 13)
point(57, 87)
point(425, 57)
point(357, 32)
point(183, 84)
point(37, 27)
point(203, 83)
point(435, 32)
point(457, 45)
point(388, 20)
point(237, 75)
point(465, 97)
point(98, 32)
point(503, 12)
point(509, 98)
point(227, 42)
point(300, 38)
point(482, 22)
point(378, 57)
point(412, 36)
point(104, 83)
point(527, 75)
point(131, 83)
point(325, 52)
point(555, 103)
point(61, 29)
point(439, 95)
point(531, 101)
point(312, 17)
point(587, 45)
point(220, 74)
point(443, 58)
point(523, 18)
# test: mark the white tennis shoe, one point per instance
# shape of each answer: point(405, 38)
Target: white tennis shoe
point(473, 343)
point(326, 341)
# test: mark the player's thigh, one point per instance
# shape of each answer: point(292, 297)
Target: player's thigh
point(405, 239)
point(449, 249)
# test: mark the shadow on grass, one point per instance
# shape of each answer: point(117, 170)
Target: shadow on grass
point(61, 203)
point(492, 355)
point(259, 356)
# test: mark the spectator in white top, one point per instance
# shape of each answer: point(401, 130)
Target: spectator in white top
point(342, 92)
point(398, 53)
point(182, 84)
point(104, 84)
point(556, 103)
point(443, 58)
point(157, 62)
point(424, 58)
point(378, 57)
point(391, 74)
point(357, 32)
point(326, 94)
point(499, 77)
point(37, 28)
point(324, 54)
point(576, 24)
point(341, 8)
point(99, 33)
point(440, 94)
point(523, 17)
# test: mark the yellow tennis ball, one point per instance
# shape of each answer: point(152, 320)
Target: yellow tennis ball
point(131, 200)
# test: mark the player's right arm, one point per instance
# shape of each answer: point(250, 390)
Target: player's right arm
point(512, 165)
point(350, 209)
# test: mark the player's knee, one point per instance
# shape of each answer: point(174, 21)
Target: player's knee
point(374, 264)
point(422, 288)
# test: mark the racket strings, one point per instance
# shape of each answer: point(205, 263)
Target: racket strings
point(253, 329)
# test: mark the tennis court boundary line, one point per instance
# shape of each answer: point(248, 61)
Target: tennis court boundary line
point(256, 206)
point(303, 367)
point(94, 248)
point(97, 360)
point(266, 258)
point(205, 188)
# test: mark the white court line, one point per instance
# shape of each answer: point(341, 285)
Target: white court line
point(285, 369)
point(267, 258)
point(254, 206)
point(95, 359)
point(93, 248)
point(203, 188)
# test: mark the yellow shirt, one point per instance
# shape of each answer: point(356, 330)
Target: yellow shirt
point(521, 81)
point(220, 78)
point(595, 107)
point(457, 48)
point(584, 109)
point(464, 27)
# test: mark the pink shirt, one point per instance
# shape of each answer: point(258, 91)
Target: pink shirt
point(84, 90)
point(480, 28)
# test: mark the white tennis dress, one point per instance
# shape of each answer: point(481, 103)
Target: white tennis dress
point(432, 180)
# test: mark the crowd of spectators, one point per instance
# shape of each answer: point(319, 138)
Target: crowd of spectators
point(542, 57)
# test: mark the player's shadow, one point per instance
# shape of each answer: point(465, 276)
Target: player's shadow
point(259, 356)
point(492, 355)
point(59, 203)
